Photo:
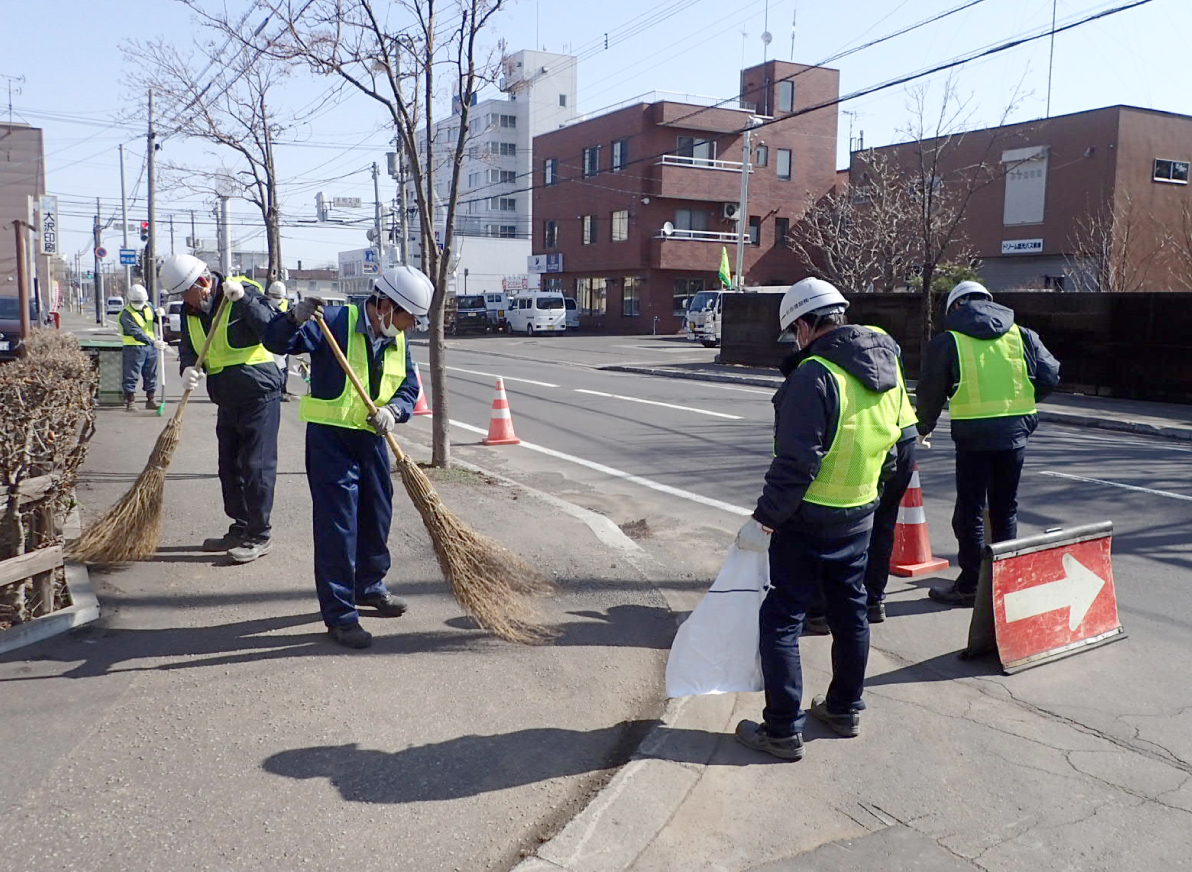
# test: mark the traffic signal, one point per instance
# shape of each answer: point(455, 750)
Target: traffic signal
point(144, 231)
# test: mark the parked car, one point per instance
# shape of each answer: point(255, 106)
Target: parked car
point(113, 305)
point(572, 313)
point(10, 327)
point(466, 313)
point(497, 304)
point(173, 321)
point(532, 312)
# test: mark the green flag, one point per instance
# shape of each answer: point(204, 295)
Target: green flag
point(726, 275)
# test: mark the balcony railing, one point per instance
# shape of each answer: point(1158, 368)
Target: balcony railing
point(698, 235)
point(680, 160)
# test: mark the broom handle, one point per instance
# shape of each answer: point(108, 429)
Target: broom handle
point(223, 302)
point(360, 391)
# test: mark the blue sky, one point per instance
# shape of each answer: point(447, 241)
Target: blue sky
point(76, 82)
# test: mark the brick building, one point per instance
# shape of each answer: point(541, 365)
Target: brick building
point(1095, 200)
point(606, 186)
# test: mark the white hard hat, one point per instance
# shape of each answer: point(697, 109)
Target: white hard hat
point(806, 296)
point(406, 286)
point(138, 294)
point(277, 289)
point(965, 289)
point(179, 272)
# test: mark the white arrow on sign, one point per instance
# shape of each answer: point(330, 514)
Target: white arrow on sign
point(1076, 591)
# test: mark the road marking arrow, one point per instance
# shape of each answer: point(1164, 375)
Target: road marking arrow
point(1076, 591)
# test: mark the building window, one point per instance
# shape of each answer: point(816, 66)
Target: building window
point(550, 234)
point(631, 297)
point(509, 121)
point(755, 230)
point(762, 157)
point(588, 225)
point(619, 231)
point(550, 171)
point(591, 161)
point(691, 219)
point(562, 99)
point(620, 154)
point(782, 232)
point(553, 283)
point(508, 176)
point(685, 289)
point(502, 204)
point(1175, 171)
point(507, 149)
point(591, 295)
point(508, 231)
point(701, 151)
point(786, 96)
point(784, 164)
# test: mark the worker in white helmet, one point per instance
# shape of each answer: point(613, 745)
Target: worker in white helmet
point(140, 331)
point(244, 383)
point(276, 296)
point(347, 460)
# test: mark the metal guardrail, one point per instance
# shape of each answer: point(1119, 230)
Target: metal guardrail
point(701, 163)
point(698, 236)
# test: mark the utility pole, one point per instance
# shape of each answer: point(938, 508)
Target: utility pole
point(743, 206)
point(150, 260)
point(171, 234)
point(377, 217)
point(97, 281)
point(124, 218)
point(194, 240)
point(225, 244)
point(18, 227)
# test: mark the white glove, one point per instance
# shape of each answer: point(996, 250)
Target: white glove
point(753, 536)
point(191, 378)
point(159, 344)
point(383, 421)
point(233, 290)
point(924, 441)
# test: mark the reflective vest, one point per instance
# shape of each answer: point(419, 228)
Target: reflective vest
point(144, 320)
point(866, 429)
point(993, 377)
point(906, 412)
point(222, 353)
point(348, 410)
point(283, 305)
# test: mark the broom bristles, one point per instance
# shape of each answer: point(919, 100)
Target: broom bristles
point(489, 581)
point(130, 529)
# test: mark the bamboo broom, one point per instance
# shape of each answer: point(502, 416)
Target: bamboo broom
point(487, 579)
point(130, 529)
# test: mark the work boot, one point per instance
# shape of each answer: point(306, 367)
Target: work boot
point(387, 605)
point(757, 737)
point(876, 611)
point(953, 596)
point(128, 401)
point(351, 635)
point(226, 542)
point(250, 549)
point(816, 625)
point(847, 725)
point(285, 397)
point(150, 403)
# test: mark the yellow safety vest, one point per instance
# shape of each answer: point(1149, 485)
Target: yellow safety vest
point(283, 305)
point(866, 429)
point(348, 410)
point(993, 377)
point(222, 353)
point(145, 323)
point(906, 412)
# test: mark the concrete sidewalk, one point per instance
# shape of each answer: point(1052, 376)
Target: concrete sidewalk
point(1169, 420)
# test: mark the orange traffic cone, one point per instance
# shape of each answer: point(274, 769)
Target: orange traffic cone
point(500, 424)
point(912, 544)
point(420, 407)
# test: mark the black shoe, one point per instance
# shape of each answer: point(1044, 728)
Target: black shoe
point(351, 636)
point(877, 612)
point(285, 398)
point(757, 737)
point(226, 542)
point(150, 403)
point(816, 626)
point(388, 605)
point(250, 549)
point(953, 596)
point(848, 725)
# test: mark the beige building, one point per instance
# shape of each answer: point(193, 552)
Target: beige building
point(22, 175)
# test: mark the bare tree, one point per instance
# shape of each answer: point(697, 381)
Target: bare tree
point(224, 100)
point(1180, 241)
point(1114, 250)
point(398, 69)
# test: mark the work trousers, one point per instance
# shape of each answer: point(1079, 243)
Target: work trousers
point(140, 360)
point(983, 476)
point(247, 436)
point(351, 490)
point(801, 564)
point(881, 545)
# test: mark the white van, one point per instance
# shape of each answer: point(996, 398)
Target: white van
point(533, 312)
point(496, 303)
point(572, 313)
point(113, 305)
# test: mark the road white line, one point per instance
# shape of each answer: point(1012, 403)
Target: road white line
point(617, 473)
point(656, 403)
point(734, 388)
point(508, 378)
point(659, 350)
point(1145, 490)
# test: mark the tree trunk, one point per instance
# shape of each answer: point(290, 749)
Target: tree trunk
point(273, 235)
point(440, 423)
point(926, 314)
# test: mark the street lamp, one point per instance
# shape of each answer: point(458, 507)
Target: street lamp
point(743, 211)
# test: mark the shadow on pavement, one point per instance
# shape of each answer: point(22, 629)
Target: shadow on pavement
point(944, 667)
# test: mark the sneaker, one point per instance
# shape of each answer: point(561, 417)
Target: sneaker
point(953, 596)
point(388, 605)
point(250, 549)
point(226, 542)
point(285, 398)
point(848, 725)
point(877, 612)
point(816, 626)
point(351, 635)
point(150, 403)
point(757, 737)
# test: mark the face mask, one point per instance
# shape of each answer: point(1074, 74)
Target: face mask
point(389, 329)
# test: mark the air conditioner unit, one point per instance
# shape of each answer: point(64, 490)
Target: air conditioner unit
point(731, 211)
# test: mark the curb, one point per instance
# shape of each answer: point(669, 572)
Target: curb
point(425, 343)
point(84, 610)
point(755, 381)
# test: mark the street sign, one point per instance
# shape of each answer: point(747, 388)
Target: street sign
point(345, 202)
point(1048, 596)
point(369, 269)
point(128, 256)
point(49, 225)
point(370, 255)
point(101, 252)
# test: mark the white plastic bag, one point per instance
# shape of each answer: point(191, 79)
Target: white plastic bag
point(716, 648)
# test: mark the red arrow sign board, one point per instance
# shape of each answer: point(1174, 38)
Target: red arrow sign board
point(1054, 601)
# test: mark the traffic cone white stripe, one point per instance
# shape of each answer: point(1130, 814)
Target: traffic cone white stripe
point(911, 515)
point(912, 546)
point(500, 423)
point(501, 413)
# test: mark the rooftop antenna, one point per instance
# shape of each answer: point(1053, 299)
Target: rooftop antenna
point(12, 79)
point(794, 19)
point(744, 36)
point(766, 37)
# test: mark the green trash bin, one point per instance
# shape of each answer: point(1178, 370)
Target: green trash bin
point(108, 356)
